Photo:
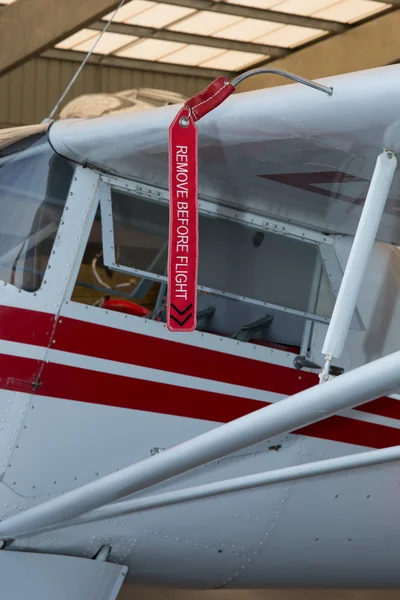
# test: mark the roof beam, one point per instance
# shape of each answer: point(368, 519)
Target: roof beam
point(258, 13)
point(372, 44)
point(28, 27)
point(189, 38)
point(138, 65)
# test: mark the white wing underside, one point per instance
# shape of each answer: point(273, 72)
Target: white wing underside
point(288, 152)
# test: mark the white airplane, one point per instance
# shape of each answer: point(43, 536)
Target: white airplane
point(211, 459)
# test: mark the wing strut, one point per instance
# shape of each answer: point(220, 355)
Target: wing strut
point(237, 484)
point(358, 260)
point(314, 404)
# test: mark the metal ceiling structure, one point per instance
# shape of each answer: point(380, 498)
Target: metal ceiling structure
point(207, 38)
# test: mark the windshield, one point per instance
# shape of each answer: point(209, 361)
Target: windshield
point(34, 184)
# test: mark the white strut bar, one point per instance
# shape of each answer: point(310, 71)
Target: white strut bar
point(358, 259)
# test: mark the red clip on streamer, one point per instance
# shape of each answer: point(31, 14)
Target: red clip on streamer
point(183, 212)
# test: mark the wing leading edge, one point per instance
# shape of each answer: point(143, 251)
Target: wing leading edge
point(289, 152)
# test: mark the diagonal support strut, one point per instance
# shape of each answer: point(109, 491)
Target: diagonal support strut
point(237, 484)
point(357, 263)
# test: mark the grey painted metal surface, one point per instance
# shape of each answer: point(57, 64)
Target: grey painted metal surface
point(50, 577)
point(228, 486)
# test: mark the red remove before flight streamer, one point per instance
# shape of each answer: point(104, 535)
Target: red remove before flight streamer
point(183, 212)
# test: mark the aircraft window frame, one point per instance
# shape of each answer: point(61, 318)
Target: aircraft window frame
point(11, 155)
point(206, 207)
point(326, 265)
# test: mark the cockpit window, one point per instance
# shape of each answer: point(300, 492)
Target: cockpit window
point(254, 285)
point(34, 185)
point(234, 258)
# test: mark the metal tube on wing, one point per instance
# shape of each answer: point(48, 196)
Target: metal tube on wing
point(237, 484)
point(268, 71)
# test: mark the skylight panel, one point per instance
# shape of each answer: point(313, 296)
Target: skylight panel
point(160, 15)
point(233, 60)
point(77, 38)
point(205, 23)
point(185, 19)
point(192, 55)
point(150, 49)
point(350, 11)
point(128, 10)
point(290, 36)
point(264, 4)
point(304, 7)
point(247, 30)
point(108, 43)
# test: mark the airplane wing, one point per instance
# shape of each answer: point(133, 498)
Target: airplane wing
point(288, 152)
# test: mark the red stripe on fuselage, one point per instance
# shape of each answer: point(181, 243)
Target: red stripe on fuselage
point(26, 326)
point(351, 431)
point(19, 374)
point(143, 350)
point(385, 407)
point(100, 341)
point(83, 385)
